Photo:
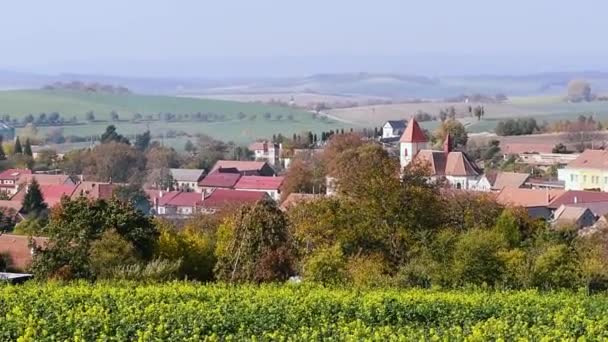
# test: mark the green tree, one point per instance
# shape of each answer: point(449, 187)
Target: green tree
point(2, 154)
point(142, 141)
point(254, 245)
point(109, 252)
point(326, 265)
point(27, 149)
point(33, 202)
point(454, 128)
point(476, 258)
point(74, 226)
point(110, 135)
point(18, 149)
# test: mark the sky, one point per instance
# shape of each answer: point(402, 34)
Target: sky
point(243, 38)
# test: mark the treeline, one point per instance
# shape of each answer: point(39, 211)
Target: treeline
point(88, 87)
point(378, 230)
point(524, 126)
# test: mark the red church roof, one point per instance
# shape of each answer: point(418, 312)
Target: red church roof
point(413, 133)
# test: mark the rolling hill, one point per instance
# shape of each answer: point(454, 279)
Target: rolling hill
point(240, 122)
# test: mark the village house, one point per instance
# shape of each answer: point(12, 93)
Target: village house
point(573, 216)
point(51, 193)
point(187, 179)
point(536, 202)
point(9, 180)
point(94, 190)
point(589, 171)
point(46, 179)
point(245, 168)
point(454, 166)
point(266, 151)
point(393, 129)
point(501, 180)
point(269, 185)
point(218, 180)
point(183, 204)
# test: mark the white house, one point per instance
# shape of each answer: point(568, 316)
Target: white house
point(453, 166)
point(393, 129)
point(266, 151)
point(589, 171)
point(187, 179)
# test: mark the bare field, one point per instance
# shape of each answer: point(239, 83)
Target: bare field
point(300, 99)
point(550, 108)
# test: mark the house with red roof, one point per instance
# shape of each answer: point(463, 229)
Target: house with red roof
point(183, 203)
point(536, 201)
point(453, 166)
point(589, 171)
point(9, 180)
point(270, 185)
point(51, 193)
point(218, 180)
point(266, 151)
point(245, 168)
point(94, 190)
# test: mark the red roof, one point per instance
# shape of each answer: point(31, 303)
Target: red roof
point(223, 197)
point(576, 197)
point(18, 249)
point(527, 198)
point(590, 159)
point(259, 183)
point(239, 165)
point(51, 193)
point(413, 133)
point(180, 199)
point(14, 174)
point(94, 190)
point(220, 180)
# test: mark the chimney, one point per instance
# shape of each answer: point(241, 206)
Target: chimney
point(160, 194)
point(575, 200)
point(448, 144)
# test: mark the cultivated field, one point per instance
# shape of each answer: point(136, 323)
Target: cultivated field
point(299, 99)
point(189, 312)
point(543, 108)
point(242, 128)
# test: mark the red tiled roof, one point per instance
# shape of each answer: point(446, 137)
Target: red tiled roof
point(51, 193)
point(14, 174)
point(527, 198)
point(220, 180)
point(239, 165)
point(574, 196)
point(590, 159)
point(260, 145)
point(94, 190)
point(44, 179)
point(224, 197)
point(452, 164)
point(510, 179)
point(10, 204)
point(180, 199)
point(259, 183)
point(413, 133)
point(18, 249)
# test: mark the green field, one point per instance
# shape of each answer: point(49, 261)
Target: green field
point(189, 312)
point(18, 104)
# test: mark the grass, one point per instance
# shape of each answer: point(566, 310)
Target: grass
point(20, 103)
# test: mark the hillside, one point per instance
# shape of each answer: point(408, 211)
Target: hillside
point(240, 122)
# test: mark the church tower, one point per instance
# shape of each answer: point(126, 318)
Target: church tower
point(412, 141)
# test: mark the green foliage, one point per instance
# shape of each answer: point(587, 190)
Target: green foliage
point(187, 312)
point(110, 135)
point(31, 226)
point(27, 149)
point(157, 270)
point(110, 251)
point(76, 224)
point(476, 258)
point(33, 202)
point(142, 141)
point(18, 148)
point(254, 245)
point(326, 265)
point(520, 126)
point(455, 129)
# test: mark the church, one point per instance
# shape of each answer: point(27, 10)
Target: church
point(454, 166)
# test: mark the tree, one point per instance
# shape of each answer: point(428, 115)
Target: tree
point(18, 148)
point(2, 154)
point(560, 148)
point(90, 116)
point(476, 258)
point(27, 149)
point(142, 141)
point(110, 135)
point(305, 175)
point(579, 90)
point(254, 245)
point(189, 147)
point(33, 203)
point(75, 225)
point(455, 129)
point(114, 116)
point(109, 252)
point(47, 157)
point(112, 161)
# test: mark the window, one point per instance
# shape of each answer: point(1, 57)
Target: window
point(572, 178)
point(585, 179)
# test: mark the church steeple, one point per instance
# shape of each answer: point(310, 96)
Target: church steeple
point(412, 141)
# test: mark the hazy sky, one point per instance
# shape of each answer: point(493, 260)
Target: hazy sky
point(272, 37)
